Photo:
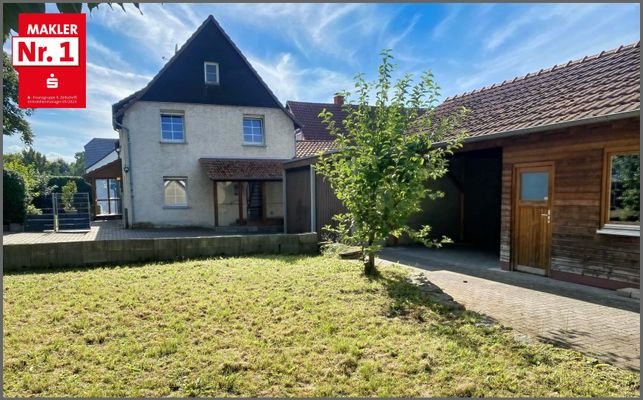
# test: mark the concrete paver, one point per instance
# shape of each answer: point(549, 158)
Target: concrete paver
point(103, 230)
point(591, 320)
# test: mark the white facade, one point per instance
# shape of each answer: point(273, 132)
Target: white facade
point(211, 131)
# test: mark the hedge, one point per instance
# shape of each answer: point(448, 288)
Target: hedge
point(14, 199)
point(44, 202)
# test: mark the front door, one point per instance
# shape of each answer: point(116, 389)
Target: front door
point(533, 188)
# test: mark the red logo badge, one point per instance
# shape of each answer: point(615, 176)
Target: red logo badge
point(49, 55)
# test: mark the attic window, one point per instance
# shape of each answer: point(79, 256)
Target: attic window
point(211, 71)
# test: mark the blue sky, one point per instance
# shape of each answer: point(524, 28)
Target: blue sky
point(308, 52)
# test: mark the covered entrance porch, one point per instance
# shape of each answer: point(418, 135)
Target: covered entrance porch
point(106, 183)
point(247, 194)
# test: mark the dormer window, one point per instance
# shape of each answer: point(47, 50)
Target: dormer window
point(211, 71)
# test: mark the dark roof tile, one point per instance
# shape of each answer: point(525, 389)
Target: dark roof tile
point(97, 148)
point(234, 169)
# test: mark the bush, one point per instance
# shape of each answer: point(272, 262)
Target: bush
point(57, 183)
point(14, 201)
point(69, 190)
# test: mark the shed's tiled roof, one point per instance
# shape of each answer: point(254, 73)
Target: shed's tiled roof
point(234, 169)
point(594, 86)
point(307, 148)
point(97, 148)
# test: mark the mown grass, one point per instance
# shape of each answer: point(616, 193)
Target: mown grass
point(283, 326)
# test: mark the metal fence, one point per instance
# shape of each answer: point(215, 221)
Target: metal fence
point(66, 212)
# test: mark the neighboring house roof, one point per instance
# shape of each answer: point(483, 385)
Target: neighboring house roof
point(601, 85)
point(311, 125)
point(97, 148)
point(307, 148)
point(181, 80)
point(236, 169)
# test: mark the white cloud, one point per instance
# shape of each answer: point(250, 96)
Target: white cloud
point(565, 15)
point(392, 42)
point(290, 81)
point(445, 24)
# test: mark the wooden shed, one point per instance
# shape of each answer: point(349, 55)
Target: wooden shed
point(548, 178)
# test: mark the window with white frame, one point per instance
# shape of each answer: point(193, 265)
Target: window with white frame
point(175, 192)
point(172, 127)
point(621, 191)
point(211, 71)
point(253, 131)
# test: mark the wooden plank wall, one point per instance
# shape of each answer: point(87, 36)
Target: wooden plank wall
point(327, 204)
point(577, 250)
point(298, 200)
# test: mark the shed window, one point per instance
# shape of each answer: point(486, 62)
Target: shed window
point(621, 197)
point(175, 192)
point(211, 71)
point(253, 131)
point(172, 128)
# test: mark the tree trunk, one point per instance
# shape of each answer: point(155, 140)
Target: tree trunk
point(369, 264)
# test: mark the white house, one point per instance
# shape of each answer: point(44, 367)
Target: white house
point(203, 143)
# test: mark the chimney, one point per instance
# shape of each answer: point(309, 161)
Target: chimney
point(338, 100)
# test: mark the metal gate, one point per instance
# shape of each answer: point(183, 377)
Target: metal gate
point(67, 212)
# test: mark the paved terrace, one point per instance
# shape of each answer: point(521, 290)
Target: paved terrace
point(103, 230)
point(597, 322)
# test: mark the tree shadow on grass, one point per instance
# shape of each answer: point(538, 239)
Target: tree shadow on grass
point(436, 310)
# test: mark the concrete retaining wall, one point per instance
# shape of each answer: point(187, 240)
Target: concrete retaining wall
point(74, 254)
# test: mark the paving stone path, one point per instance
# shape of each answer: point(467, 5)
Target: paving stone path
point(593, 321)
point(103, 230)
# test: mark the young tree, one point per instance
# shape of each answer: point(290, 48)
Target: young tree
point(386, 152)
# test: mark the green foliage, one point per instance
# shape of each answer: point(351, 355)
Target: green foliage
point(42, 165)
point(35, 182)
point(11, 11)
point(627, 170)
point(14, 120)
point(68, 192)
point(77, 168)
point(387, 153)
point(14, 197)
point(57, 182)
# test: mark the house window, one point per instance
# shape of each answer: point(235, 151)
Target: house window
point(172, 128)
point(175, 192)
point(253, 131)
point(621, 197)
point(211, 71)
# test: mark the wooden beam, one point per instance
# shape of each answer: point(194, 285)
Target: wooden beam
point(240, 191)
point(216, 202)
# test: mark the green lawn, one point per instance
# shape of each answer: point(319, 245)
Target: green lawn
point(283, 326)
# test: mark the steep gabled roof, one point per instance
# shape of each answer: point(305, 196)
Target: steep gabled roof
point(181, 80)
point(601, 85)
point(97, 148)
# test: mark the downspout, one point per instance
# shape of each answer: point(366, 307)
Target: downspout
point(284, 196)
point(129, 167)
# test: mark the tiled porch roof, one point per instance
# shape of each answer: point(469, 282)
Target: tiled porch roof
point(236, 169)
point(307, 148)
